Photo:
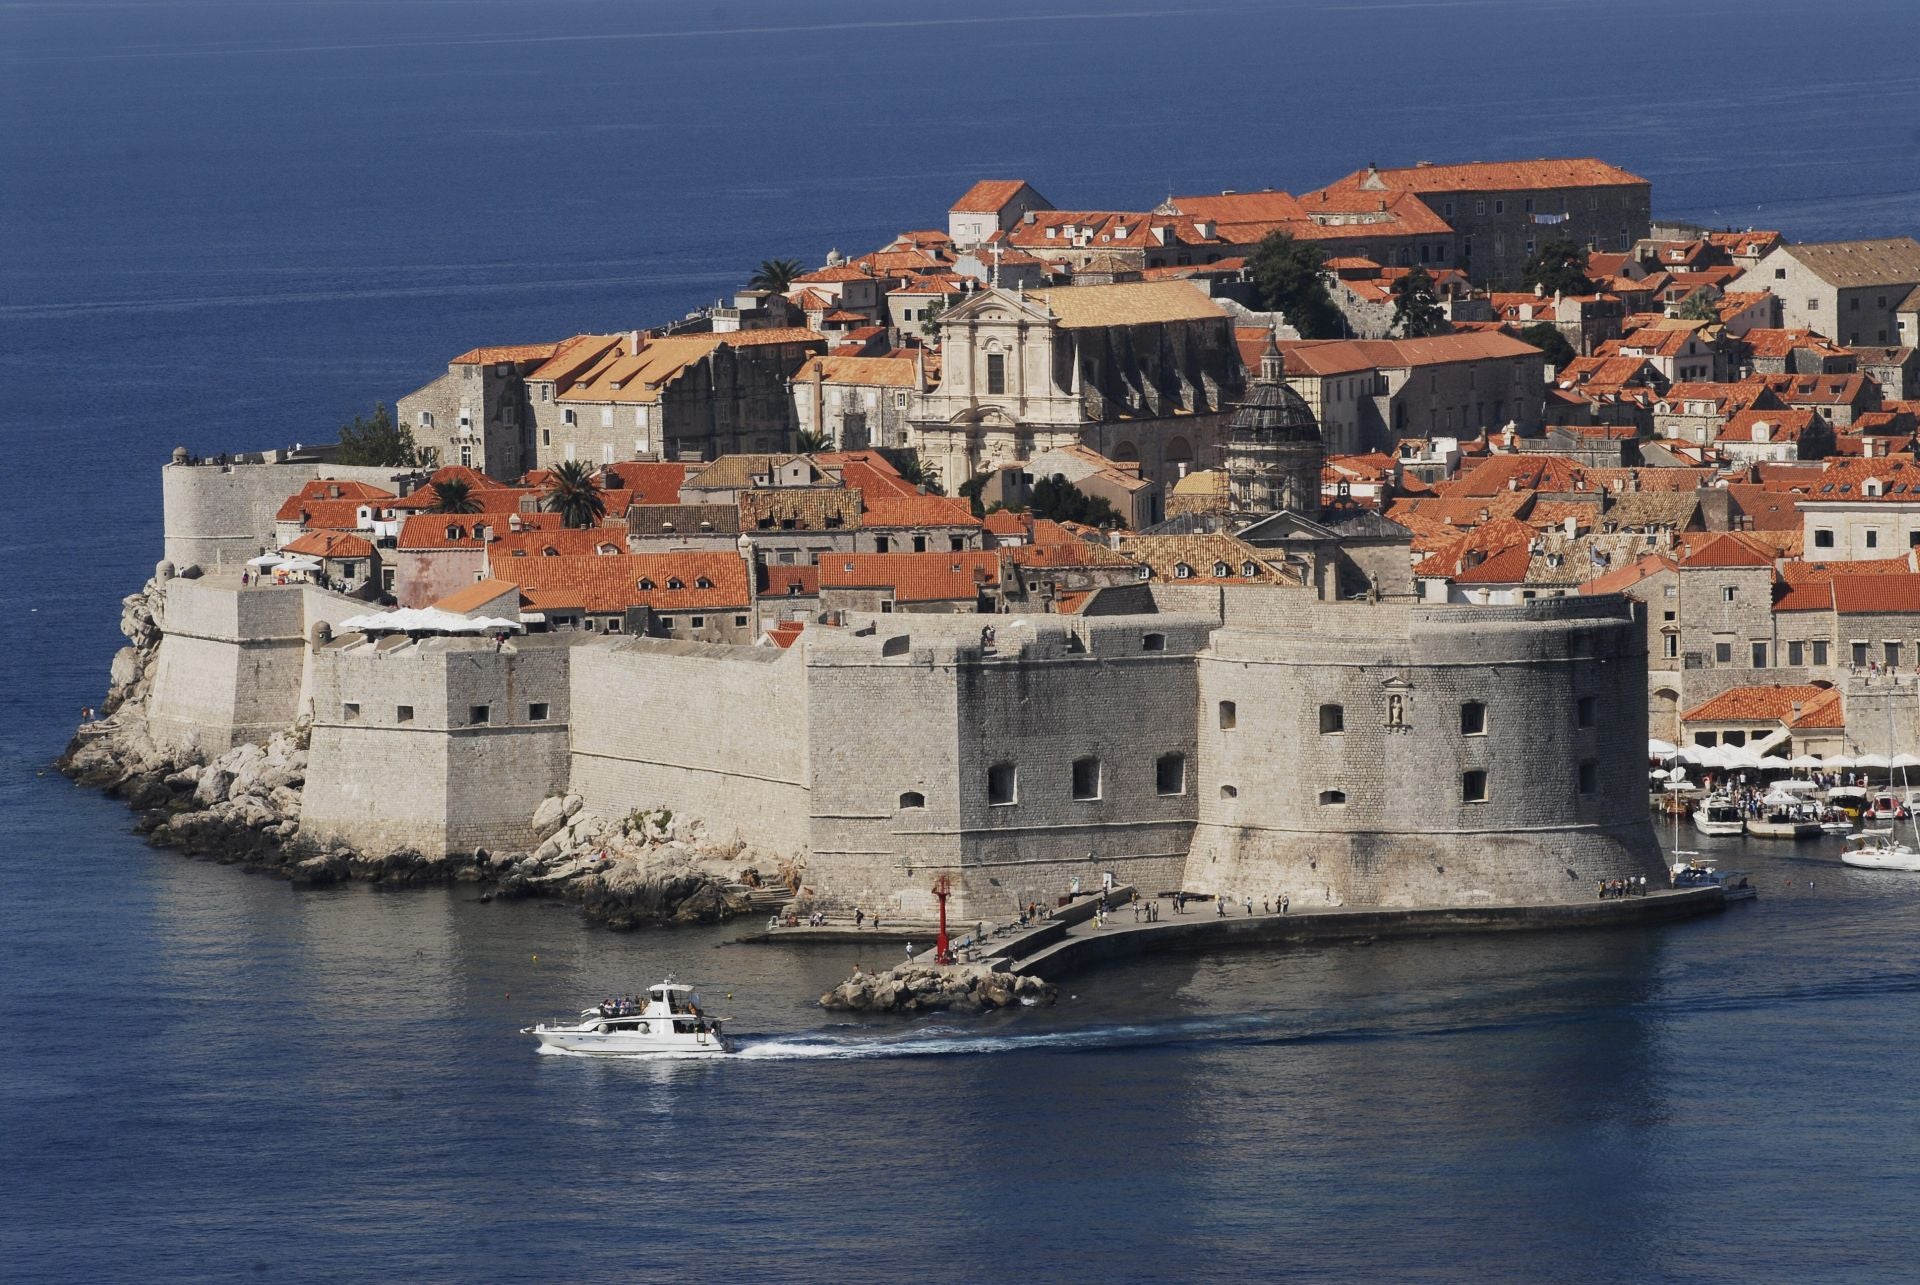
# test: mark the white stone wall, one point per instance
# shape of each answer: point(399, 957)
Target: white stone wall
point(215, 514)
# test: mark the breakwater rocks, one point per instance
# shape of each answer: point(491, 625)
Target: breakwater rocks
point(928, 988)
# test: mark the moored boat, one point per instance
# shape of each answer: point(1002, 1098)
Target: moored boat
point(1719, 814)
point(1783, 816)
point(1877, 849)
point(668, 1020)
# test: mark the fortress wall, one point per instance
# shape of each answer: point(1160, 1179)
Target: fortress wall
point(1404, 833)
point(233, 662)
point(918, 707)
point(223, 514)
point(432, 779)
point(706, 730)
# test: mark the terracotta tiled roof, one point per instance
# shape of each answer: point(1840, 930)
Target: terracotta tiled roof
point(1624, 578)
point(1753, 704)
point(1508, 566)
point(478, 594)
point(799, 508)
point(838, 272)
point(786, 633)
point(323, 488)
point(1530, 472)
point(1898, 481)
point(608, 584)
point(918, 511)
point(1067, 553)
point(883, 372)
point(427, 531)
point(1164, 555)
point(1727, 550)
point(1130, 303)
point(1829, 709)
point(1345, 356)
point(1766, 425)
point(330, 544)
point(988, 196)
point(782, 581)
point(317, 515)
point(1495, 176)
point(506, 352)
point(1876, 595)
point(1851, 264)
point(650, 481)
point(913, 577)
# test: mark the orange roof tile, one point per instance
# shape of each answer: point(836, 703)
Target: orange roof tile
point(1495, 176)
point(913, 577)
point(1876, 595)
point(506, 352)
point(988, 196)
point(1730, 549)
point(917, 511)
point(661, 581)
point(330, 544)
point(1753, 704)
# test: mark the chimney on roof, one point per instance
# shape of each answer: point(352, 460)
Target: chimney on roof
point(634, 343)
point(1029, 218)
point(1513, 483)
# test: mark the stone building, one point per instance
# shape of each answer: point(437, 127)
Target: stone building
point(1501, 212)
point(608, 398)
point(856, 402)
point(1849, 291)
point(1368, 394)
point(1139, 372)
point(476, 415)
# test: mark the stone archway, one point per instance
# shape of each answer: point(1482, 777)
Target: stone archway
point(1663, 714)
point(1179, 458)
point(1126, 453)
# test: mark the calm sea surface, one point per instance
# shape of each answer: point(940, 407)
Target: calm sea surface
point(235, 224)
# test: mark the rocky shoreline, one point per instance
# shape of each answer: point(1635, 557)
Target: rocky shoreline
point(930, 988)
point(242, 807)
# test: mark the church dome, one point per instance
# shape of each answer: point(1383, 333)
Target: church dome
point(1274, 412)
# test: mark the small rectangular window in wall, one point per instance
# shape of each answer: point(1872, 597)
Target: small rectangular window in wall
point(479, 715)
point(537, 712)
point(350, 711)
point(1473, 787)
point(1892, 653)
point(1796, 653)
point(403, 713)
point(1586, 711)
point(1723, 653)
point(1003, 785)
point(1229, 715)
point(1086, 778)
point(1820, 651)
point(1589, 777)
point(1473, 719)
point(996, 374)
point(1759, 656)
point(1333, 718)
point(1859, 655)
point(1170, 774)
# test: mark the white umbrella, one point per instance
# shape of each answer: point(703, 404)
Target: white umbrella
point(1739, 756)
point(1904, 759)
point(1804, 760)
point(264, 560)
point(1872, 760)
point(1839, 761)
point(1772, 763)
point(296, 563)
point(1659, 748)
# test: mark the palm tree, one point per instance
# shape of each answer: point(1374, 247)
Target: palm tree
point(809, 441)
point(574, 493)
point(453, 496)
point(915, 473)
point(775, 275)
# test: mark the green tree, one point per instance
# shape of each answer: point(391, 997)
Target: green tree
point(1699, 306)
point(574, 493)
point(377, 441)
point(1558, 267)
point(1286, 273)
point(453, 496)
point(930, 321)
point(1416, 308)
point(970, 490)
point(1546, 336)
point(775, 275)
point(806, 441)
point(1055, 497)
point(907, 464)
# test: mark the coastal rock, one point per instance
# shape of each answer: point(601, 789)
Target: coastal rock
point(926, 988)
point(549, 816)
point(571, 804)
point(126, 667)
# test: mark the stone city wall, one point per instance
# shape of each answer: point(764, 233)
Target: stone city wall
point(440, 745)
point(702, 729)
point(1369, 801)
point(217, 514)
point(233, 664)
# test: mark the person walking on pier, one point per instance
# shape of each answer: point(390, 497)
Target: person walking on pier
point(1285, 901)
point(909, 952)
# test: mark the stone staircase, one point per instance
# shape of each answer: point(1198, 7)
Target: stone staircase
point(766, 899)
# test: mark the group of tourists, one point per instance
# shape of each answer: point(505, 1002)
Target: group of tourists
point(622, 1006)
point(1632, 886)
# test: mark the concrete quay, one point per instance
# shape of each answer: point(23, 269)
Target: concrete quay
point(1052, 950)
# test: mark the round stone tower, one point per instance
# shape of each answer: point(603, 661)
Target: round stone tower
point(1274, 449)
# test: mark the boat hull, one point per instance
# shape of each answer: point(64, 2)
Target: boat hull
point(1783, 829)
point(629, 1043)
point(1908, 862)
point(1722, 828)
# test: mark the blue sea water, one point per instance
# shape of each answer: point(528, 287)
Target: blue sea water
point(228, 224)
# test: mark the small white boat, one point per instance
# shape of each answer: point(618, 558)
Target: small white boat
point(1837, 825)
point(1878, 850)
point(669, 1021)
point(1719, 814)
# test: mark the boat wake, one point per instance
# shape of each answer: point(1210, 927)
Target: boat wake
point(954, 1041)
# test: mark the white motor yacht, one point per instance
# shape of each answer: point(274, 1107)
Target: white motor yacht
point(669, 1021)
point(1719, 814)
point(1878, 850)
point(1735, 884)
